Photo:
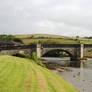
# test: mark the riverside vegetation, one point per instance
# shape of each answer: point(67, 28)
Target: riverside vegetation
point(50, 39)
point(24, 75)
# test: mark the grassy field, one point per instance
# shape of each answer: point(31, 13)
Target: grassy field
point(39, 35)
point(45, 38)
point(23, 75)
point(51, 41)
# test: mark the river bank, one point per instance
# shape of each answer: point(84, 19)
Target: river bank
point(80, 78)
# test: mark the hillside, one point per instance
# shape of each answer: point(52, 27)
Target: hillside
point(23, 75)
point(45, 38)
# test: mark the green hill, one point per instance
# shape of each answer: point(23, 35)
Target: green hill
point(45, 38)
point(23, 75)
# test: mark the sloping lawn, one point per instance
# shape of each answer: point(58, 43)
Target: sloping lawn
point(23, 75)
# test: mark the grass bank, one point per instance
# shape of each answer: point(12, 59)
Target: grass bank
point(23, 75)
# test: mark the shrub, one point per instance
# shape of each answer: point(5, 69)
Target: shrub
point(19, 55)
point(22, 55)
point(10, 38)
point(34, 57)
point(84, 58)
point(37, 60)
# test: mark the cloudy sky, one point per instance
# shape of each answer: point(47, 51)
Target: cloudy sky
point(59, 17)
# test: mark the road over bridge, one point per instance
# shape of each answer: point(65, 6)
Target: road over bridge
point(75, 51)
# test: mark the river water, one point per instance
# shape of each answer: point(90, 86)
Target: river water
point(80, 78)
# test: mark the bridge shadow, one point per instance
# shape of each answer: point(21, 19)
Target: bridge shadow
point(58, 53)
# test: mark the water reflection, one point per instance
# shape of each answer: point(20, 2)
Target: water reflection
point(57, 60)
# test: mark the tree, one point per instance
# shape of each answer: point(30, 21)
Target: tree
point(10, 38)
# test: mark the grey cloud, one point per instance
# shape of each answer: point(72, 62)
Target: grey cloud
point(63, 17)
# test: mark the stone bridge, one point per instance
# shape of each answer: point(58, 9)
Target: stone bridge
point(75, 51)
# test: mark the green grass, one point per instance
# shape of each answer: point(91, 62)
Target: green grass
point(39, 35)
point(23, 75)
point(46, 39)
point(53, 39)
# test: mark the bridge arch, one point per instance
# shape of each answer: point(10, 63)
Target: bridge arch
point(44, 51)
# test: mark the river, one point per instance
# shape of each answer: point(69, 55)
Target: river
point(80, 78)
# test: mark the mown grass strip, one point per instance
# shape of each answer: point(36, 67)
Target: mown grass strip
point(22, 75)
point(51, 87)
point(41, 80)
point(65, 87)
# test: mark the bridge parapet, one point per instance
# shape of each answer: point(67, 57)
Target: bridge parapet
point(17, 47)
point(87, 45)
point(59, 45)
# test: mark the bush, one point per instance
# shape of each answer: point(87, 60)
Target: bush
point(10, 38)
point(22, 55)
point(17, 40)
point(84, 58)
point(37, 60)
point(34, 57)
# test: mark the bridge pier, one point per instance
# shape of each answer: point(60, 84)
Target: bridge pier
point(81, 50)
point(78, 53)
point(38, 50)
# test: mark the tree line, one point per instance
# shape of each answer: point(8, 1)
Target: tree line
point(10, 38)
